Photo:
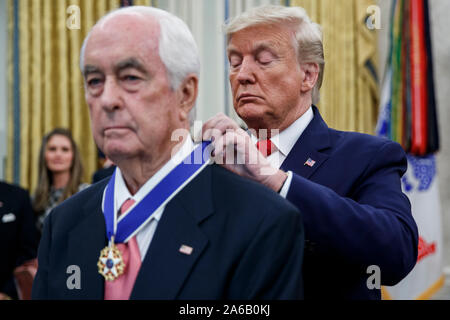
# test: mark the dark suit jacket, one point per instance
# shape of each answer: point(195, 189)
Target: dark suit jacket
point(103, 173)
point(354, 211)
point(18, 239)
point(248, 244)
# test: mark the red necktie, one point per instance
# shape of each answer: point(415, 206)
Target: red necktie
point(120, 288)
point(266, 147)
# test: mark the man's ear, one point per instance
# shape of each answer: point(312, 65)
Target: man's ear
point(311, 75)
point(188, 91)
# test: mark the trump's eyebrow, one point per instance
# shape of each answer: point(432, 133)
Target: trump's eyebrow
point(130, 63)
point(257, 48)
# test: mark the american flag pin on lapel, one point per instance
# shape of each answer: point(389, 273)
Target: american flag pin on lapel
point(310, 162)
point(186, 249)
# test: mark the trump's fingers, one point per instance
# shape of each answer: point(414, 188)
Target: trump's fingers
point(219, 123)
point(236, 147)
point(225, 147)
point(210, 125)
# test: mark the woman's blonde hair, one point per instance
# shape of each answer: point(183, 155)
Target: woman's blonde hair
point(45, 178)
point(307, 41)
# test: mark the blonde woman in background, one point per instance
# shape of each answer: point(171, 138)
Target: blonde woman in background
point(60, 172)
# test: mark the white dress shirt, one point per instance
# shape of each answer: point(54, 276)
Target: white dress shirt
point(121, 194)
point(284, 142)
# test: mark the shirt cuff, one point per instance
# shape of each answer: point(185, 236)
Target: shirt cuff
point(287, 184)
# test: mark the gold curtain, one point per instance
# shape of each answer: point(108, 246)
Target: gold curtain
point(349, 94)
point(51, 86)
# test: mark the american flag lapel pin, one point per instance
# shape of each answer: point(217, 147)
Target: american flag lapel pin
point(186, 249)
point(310, 163)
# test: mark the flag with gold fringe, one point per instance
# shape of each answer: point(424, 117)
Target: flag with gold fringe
point(408, 116)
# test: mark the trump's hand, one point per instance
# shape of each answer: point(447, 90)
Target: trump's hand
point(234, 150)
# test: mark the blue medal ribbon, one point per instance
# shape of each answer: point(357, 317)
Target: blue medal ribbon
point(162, 193)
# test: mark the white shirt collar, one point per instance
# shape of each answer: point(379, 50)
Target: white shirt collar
point(287, 138)
point(121, 192)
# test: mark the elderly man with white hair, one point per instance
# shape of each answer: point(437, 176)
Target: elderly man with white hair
point(167, 225)
point(359, 230)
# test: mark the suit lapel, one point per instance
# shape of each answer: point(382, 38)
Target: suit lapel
point(165, 268)
point(86, 241)
point(310, 146)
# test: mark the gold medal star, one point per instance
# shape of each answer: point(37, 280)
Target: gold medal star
point(110, 264)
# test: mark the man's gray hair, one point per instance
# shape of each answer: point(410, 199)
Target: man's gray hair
point(177, 48)
point(308, 35)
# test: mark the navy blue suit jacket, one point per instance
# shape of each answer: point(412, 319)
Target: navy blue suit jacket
point(354, 211)
point(18, 233)
point(248, 244)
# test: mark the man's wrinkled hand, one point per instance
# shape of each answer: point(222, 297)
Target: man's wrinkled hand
point(234, 150)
